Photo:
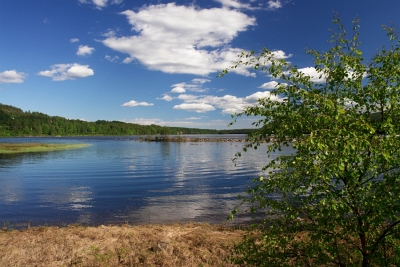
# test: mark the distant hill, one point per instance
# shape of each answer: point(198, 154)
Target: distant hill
point(15, 122)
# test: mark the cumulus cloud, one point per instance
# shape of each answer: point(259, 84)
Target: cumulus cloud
point(269, 85)
point(144, 121)
point(192, 122)
point(74, 40)
point(134, 103)
point(188, 98)
point(109, 33)
point(182, 39)
point(111, 59)
point(196, 107)
point(234, 4)
point(184, 123)
point(229, 104)
point(279, 54)
point(166, 98)
point(274, 4)
point(200, 80)
point(320, 77)
point(12, 76)
point(315, 76)
point(62, 72)
point(195, 86)
point(99, 4)
point(84, 50)
point(178, 89)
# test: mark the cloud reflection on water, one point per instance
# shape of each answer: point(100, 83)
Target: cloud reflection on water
point(76, 198)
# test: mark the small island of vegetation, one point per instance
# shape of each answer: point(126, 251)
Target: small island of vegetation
point(11, 148)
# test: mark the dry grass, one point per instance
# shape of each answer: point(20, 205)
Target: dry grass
point(9, 148)
point(192, 245)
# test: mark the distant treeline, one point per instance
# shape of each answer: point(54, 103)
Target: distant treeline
point(16, 122)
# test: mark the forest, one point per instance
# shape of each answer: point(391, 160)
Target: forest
point(16, 122)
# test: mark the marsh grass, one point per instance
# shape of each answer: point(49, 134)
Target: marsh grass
point(11, 148)
point(192, 245)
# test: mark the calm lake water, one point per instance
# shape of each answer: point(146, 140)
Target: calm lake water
point(123, 180)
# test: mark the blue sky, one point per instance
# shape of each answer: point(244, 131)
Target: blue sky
point(156, 61)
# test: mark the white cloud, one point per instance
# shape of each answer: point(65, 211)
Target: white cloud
point(269, 85)
point(196, 107)
point(274, 4)
point(166, 98)
point(178, 89)
point(187, 98)
point(253, 98)
point(79, 71)
point(99, 4)
point(144, 121)
point(62, 72)
point(128, 60)
point(243, 70)
point(193, 118)
point(200, 80)
point(109, 33)
point(134, 103)
point(193, 123)
point(182, 39)
point(229, 104)
point(12, 76)
point(74, 40)
point(84, 50)
point(315, 76)
point(279, 54)
point(234, 4)
point(111, 59)
point(195, 86)
point(178, 123)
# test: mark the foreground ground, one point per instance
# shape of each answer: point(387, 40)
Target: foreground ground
point(143, 245)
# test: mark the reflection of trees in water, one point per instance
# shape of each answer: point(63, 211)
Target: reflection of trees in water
point(12, 160)
point(165, 149)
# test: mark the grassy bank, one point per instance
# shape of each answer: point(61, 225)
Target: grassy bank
point(142, 245)
point(9, 148)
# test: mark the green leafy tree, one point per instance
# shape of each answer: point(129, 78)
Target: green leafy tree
point(334, 201)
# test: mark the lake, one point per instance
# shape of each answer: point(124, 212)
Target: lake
point(123, 180)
